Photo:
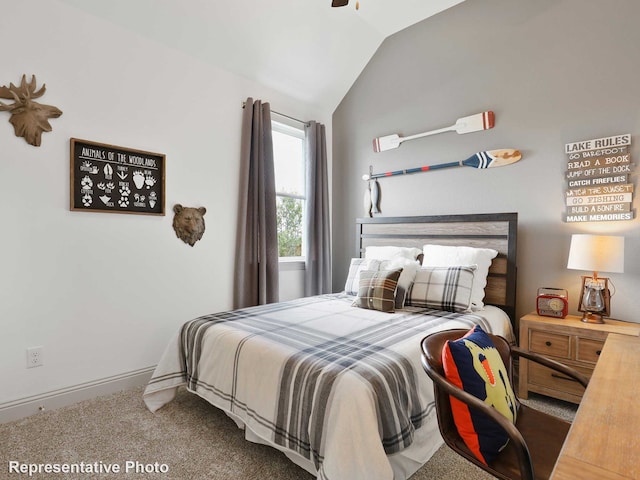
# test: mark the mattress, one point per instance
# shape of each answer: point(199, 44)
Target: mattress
point(339, 389)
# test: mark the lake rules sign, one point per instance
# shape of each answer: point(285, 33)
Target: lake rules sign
point(599, 188)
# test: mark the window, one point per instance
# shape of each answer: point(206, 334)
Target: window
point(288, 157)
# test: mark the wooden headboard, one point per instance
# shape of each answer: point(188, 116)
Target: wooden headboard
point(487, 230)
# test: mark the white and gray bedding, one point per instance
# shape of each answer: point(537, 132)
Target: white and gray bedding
point(339, 389)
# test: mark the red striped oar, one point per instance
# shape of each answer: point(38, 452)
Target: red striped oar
point(472, 123)
point(486, 159)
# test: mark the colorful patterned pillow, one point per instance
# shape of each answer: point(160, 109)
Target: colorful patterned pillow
point(474, 364)
point(443, 288)
point(378, 290)
point(357, 265)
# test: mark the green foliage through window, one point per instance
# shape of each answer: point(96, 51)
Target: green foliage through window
point(289, 216)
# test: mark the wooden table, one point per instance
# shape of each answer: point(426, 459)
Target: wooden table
point(604, 440)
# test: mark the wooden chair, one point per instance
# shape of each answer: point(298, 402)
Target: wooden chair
point(536, 438)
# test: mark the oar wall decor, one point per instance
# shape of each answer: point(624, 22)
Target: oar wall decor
point(472, 123)
point(486, 159)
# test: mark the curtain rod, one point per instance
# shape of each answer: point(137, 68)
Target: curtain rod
point(283, 115)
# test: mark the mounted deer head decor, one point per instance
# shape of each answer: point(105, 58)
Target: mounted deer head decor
point(29, 118)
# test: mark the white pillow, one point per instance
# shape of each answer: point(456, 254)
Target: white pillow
point(391, 253)
point(357, 265)
point(409, 268)
point(448, 256)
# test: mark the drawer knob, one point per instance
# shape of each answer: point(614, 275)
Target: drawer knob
point(598, 352)
point(547, 343)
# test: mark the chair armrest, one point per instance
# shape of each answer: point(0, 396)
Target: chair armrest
point(522, 450)
point(553, 364)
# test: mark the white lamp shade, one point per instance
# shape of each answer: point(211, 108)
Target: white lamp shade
point(597, 253)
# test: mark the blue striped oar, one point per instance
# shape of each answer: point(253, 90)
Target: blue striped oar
point(486, 159)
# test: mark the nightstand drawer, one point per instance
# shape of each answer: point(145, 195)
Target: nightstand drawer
point(588, 349)
point(570, 341)
point(550, 344)
point(545, 377)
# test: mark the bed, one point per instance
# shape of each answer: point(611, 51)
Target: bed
point(340, 389)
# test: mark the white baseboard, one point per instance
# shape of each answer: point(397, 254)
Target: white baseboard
point(24, 407)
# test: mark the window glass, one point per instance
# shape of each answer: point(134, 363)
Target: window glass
point(288, 157)
point(289, 163)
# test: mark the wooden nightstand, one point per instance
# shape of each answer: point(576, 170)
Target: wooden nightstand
point(570, 341)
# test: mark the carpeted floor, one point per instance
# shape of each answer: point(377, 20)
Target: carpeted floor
point(191, 438)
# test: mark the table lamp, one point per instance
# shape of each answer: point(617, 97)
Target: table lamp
point(597, 253)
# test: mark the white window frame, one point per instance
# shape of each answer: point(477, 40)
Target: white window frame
point(292, 128)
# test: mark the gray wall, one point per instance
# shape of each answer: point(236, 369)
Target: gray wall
point(553, 71)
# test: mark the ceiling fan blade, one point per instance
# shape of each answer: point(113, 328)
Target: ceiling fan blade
point(339, 3)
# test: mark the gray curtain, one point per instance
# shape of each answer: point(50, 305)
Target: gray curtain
point(256, 281)
point(318, 247)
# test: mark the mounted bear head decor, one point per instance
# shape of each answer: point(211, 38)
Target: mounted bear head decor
point(188, 223)
point(29, 118)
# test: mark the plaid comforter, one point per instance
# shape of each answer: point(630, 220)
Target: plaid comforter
point(338, 385)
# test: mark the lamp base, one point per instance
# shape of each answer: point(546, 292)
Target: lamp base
point(589, 317)
point(595, 317)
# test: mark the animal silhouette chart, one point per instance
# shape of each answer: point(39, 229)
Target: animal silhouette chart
point(106, 178)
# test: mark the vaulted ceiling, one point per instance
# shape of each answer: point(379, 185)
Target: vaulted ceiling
point(304, 48)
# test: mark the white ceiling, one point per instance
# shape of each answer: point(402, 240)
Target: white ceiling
point(304, 48)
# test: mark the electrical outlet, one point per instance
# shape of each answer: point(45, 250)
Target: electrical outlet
point(34, 357)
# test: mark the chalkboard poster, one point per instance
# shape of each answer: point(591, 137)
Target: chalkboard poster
point(105, 178)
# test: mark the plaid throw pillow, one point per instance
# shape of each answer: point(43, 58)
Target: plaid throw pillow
point(409, 268)
point(353, 278)
point(447, 255)
point(377, 290)
point(443, 288)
